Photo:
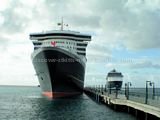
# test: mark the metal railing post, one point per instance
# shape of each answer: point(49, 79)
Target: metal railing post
point(146, 100)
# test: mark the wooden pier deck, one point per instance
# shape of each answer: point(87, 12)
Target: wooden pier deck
point(120, 103)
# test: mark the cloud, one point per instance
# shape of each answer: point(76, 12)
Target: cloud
point(135, 27)
point(84, 21)
point(4, 4)
point(1, 19)
point(145, 64)
point(3, 43)
point(19, 15)
point(134, 63)
point(125, 22)
point(13, 22)
point(133, 24)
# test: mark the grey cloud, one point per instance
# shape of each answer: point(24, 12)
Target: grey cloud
point(145, 35)
point(103, 5)
point(131, 21)
point(13, 24)
point(3, 40)
point(97, 53)
point(58, 8)
point(99, 48)
point(116, 19)
point(137, 30)
point(3, 43)
point(84, 21)
point(12, 21)
point(72, 13)
point(145, 64)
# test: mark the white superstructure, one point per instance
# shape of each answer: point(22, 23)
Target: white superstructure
point(115, 78)
point(75, 44)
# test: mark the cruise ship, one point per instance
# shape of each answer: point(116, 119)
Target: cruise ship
point(114, 79)
point(59, 59)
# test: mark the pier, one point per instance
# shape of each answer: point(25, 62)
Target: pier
point(120, 100)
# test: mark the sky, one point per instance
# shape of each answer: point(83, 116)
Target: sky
point(125, 36)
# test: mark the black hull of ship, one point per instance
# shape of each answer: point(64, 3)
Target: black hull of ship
point(115, 84)
point(60, 73)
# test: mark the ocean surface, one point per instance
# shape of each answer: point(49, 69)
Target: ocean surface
point(27, 103)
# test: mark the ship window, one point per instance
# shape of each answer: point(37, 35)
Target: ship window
point(81, 53)
point(37, 43)
point(81, 44)
point(82, 49)
point(35, 48)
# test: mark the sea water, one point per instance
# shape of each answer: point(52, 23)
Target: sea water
point(27, 103)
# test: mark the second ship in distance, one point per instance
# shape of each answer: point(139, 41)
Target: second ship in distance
point(114, 79)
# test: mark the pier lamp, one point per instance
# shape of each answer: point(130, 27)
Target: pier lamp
point(105, 88)
point(150, 83)
point(128, 84)
point(110, 89)
point(101, 88)
point(95, 88)
point(153, 96)
point(125, 89)
point(116, 91)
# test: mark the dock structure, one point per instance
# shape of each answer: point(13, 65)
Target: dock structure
point(119, 102)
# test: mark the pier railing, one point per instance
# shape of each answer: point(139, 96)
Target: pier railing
point(142, 103)
point(133, 94)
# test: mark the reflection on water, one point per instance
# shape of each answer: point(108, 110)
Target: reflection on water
point(26, 103)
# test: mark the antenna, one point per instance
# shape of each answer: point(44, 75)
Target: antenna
point(62, 24)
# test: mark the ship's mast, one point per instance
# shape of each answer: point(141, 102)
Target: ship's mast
point(62, 24)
